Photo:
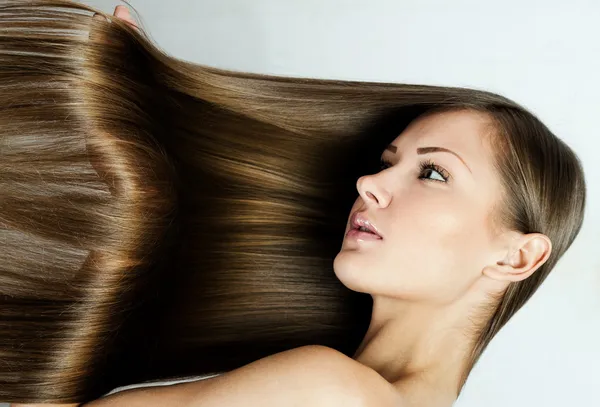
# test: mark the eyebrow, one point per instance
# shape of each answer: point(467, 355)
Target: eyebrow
point(425, 150)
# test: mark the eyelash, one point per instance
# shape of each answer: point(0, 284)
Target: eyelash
point(424, 165)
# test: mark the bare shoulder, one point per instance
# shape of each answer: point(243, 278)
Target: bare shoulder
point(311, 375)
point(341, 380)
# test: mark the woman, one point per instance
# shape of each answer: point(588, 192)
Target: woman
point(163, 219)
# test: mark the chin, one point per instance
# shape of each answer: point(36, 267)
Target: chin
point(349, 273)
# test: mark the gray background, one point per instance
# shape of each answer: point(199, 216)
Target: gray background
point(543, 54)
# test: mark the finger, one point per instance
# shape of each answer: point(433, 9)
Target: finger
point(122, 12)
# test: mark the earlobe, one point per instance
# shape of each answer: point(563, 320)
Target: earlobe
point(531, 252)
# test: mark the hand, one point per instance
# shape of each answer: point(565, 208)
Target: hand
point(122, 12)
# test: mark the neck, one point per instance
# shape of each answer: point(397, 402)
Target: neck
point(420, 349)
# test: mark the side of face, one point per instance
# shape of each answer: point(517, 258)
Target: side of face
point(437, 235)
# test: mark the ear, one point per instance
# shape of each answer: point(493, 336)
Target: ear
point(525, 256)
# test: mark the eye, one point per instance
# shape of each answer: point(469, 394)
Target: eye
point(428, 167)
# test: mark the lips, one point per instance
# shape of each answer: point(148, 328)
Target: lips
point(360, 219)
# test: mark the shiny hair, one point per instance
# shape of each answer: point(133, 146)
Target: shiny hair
point(162, 219)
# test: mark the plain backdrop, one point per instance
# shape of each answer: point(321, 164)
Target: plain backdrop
point(543, 54)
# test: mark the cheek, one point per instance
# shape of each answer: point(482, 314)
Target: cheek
point(431, 227)
point(434, 248)
point(462, 242)
point(444, 226)
point(430, 251)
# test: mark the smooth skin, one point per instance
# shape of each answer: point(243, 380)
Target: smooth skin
point(311, 375)
point(439, 260)
point(441, 257)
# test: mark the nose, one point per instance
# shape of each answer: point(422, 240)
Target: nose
point(372, 192)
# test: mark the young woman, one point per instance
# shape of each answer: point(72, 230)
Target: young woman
point(162, 220)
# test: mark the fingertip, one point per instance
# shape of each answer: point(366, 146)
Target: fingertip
point(123, 13)
point(121, 9)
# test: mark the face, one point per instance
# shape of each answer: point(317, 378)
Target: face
point(432, 209)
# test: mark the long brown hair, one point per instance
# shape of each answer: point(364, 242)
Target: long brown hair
point(161, 219)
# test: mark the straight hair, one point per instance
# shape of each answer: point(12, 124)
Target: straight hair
point(161, 219)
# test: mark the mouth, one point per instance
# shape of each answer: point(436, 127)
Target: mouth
point(362, 229)
point(362, 233)
point(360, 225)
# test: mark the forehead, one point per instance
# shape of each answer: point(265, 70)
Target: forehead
point(465, 132)
point(456, 128)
